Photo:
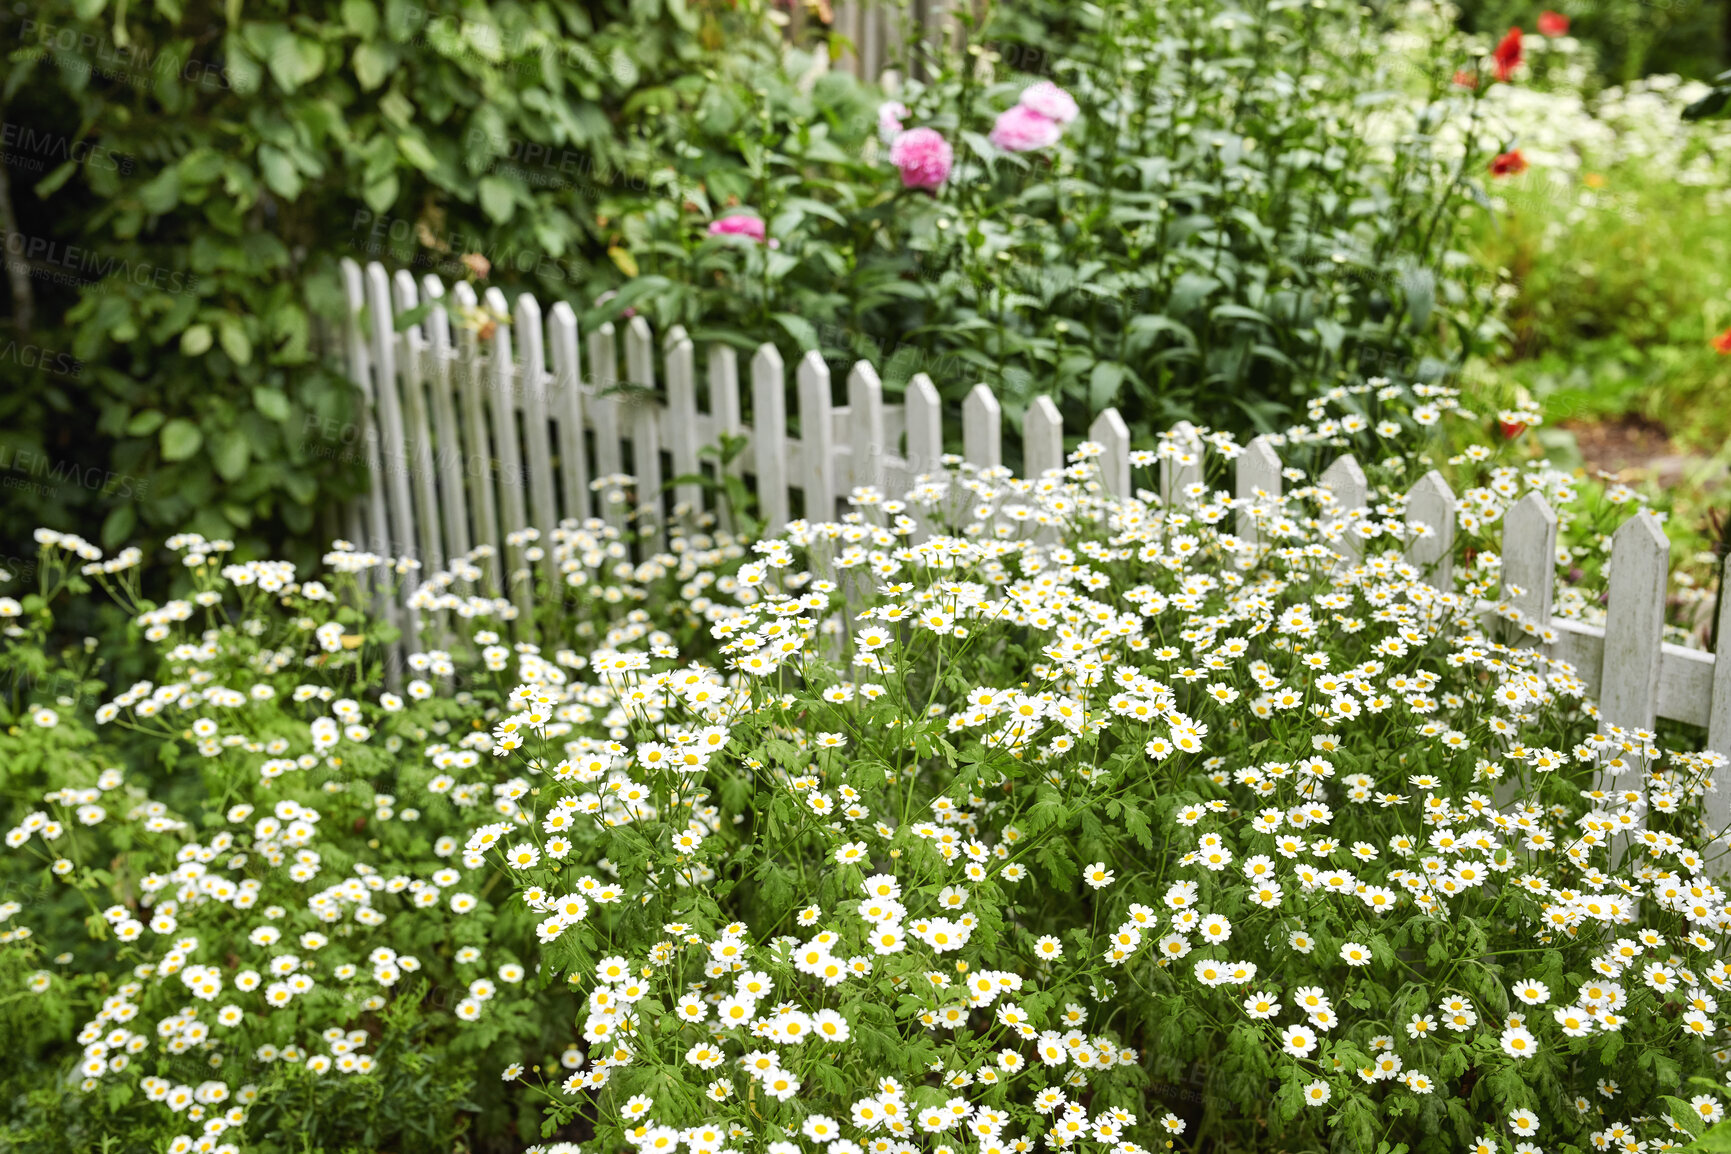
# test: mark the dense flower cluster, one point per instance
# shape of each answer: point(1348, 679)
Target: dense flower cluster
point(973, 820)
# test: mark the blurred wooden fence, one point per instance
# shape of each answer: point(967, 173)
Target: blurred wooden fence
point(878, 31)
point(470, 439)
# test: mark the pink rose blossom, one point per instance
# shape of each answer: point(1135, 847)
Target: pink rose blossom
point(738, 224)
point(891, 113)
point(1050, 101)
point(924, 157)
point(1021, 129)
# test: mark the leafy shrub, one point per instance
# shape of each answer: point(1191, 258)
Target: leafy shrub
point(1219, 221)
point(189, 175)
point(1091, 795)
point(1235, 209)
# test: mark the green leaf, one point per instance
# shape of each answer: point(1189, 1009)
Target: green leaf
point(1103, 384)
point(180, 439)
point(382, 193)
point(372, 64)
point(196, 340)
point(623, 261)
point(230, 456)
point(498, 198)
point(801, 330)
point(407, 319)
point(51, 183)
point(118, 525)
point(361, 18)
point(232, 334)
point(145, 423)
point(162, 193)
point(1717, 1140)
point(416, 152)
point(280, 174)
point(273, 403)
point(1683, 1115)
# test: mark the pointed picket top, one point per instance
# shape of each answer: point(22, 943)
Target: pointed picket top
point(449, 457)
point(769, 435)
point(1431, 503)
point(1113, 436)
point(682, 447)
point(567, 405)
point(817, 438)
point(982, 421)
point(1257, 472)
point(1042, 439)
point(1346, 480)
point(537, 426)
point(925, 421)
point(1178, 473)
point(1529, 558)
point(865, 402)
point(1634, 622)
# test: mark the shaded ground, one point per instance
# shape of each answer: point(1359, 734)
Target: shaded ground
point(1634, 449)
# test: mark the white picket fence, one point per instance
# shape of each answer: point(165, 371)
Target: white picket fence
point(469, 439)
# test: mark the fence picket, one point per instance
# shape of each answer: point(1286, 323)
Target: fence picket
point(452, 464)
point(982, 428)
point(1180, 465)
point(464, 441)
point(723, 371)
point(1431, 503)
point(471, 368)
point(1345, 479)
point(1111, 433)
point(604, 405)
point(925, 420)
point(537, 432)
point(816, 438)
point(769, 432)
point(418, 429)
point(1530, 558)
point(1042, 439)
point(681, 418)
point(645, 436)
point(1634, 623)
point(373, 516)
point(502, 382)
point(567, 405)
point(865, 402)
point(1257, 472)
point(399, 542)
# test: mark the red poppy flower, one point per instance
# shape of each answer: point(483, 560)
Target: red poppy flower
point(1465, 79)
point(1511, 429)
point(1553, 23)
point(1510, 163)
point(1722, 342)
point(1507, 56)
